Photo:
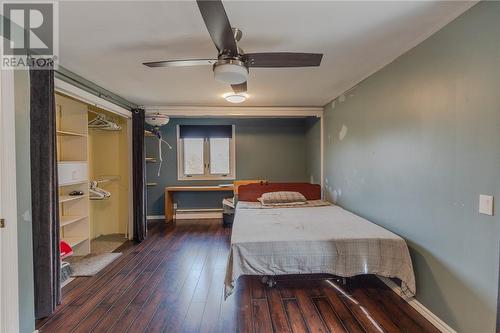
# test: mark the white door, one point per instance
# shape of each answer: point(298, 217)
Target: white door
point(9, 285)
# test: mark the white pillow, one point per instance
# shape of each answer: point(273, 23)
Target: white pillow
point(282, 198)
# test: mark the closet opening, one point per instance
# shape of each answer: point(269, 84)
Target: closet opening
point(95, 176)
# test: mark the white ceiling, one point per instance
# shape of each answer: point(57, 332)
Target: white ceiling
point(106, 42)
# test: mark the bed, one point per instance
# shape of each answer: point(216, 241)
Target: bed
point(315, 238)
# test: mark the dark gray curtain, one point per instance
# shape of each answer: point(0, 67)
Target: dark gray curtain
point(139, 175)
point(44, 193)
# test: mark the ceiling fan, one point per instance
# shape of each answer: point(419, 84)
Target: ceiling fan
point(232, 63)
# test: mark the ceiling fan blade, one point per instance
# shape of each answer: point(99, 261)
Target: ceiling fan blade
point(282, 59)
point(239, 88)
point(218, 26)
point(181, 63)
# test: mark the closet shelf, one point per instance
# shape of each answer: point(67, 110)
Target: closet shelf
point(74, 183)
point(68, 198)
point(69, 219)
point(74, 241)
point(150, 159)
point(107, 179)
point(68, 133)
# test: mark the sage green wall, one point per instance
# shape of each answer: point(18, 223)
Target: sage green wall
point(23, 183)
point(421, 141)
point(313, 149)
point(266, 148)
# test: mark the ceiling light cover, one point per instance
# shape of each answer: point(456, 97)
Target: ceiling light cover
point(235, 98)
point(231, 73)
point(157, 119)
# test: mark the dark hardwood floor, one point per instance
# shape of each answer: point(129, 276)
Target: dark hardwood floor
point(173, 282)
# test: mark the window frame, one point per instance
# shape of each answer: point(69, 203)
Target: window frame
point(206, 160)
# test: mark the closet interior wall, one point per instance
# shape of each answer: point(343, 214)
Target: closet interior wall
point(108, 155)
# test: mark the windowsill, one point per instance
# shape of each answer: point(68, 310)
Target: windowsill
point(205, 178)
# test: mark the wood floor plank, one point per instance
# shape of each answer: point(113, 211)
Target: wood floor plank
point(403, 322)
point(180, 304)
point(402, 307)
point(244, 304)
point(261, 316)
point(228, 316)
point(156, 287)
point(348, 320)
point(311, 316)
point(329, 316)
point(79, 308)
point(138, 321)
point(212, 309)
point(364, 318)
point(278, 315)
point(149, 276)
point(211, 312)
point(120, 297)
point(142, 271)
point(374, 310)
point(286, 291)
point(174, 302)
point(174, 282)
point(294, 315)
point(258, 288)
point(362, 315)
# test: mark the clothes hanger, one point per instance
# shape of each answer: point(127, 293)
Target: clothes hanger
point(97, 193)
point(103, 123)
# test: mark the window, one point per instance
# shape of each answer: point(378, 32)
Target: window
point(205, 152)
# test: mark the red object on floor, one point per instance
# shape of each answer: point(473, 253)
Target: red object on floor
point(66, 249)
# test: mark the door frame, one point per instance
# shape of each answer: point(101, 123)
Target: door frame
point(9, 282)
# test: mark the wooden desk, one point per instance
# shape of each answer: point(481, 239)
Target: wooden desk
point(169, 197)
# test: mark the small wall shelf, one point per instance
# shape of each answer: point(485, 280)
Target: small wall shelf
point(148, 133)
point(151, 184)
point(150, 159)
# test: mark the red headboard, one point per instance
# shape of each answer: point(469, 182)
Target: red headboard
point(251, 192)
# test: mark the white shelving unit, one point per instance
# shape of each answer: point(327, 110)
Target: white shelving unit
point(72, 142)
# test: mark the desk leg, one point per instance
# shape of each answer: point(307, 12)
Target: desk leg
point(169, 206)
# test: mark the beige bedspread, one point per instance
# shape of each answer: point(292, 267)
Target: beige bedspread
point(321, 239)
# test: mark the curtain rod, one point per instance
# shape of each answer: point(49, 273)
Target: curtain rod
point(80, 82)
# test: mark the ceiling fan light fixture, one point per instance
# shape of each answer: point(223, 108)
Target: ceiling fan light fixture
point(231, 72)
point(235, 97)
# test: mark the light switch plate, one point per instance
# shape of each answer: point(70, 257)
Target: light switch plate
point(486, 204)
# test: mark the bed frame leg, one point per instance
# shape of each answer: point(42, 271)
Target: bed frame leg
point(268, 281)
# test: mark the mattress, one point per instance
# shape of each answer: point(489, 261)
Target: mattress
point(314, 239)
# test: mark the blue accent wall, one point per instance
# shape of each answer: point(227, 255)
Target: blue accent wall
point(273, 149)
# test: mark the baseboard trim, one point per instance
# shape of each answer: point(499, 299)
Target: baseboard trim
point(419, 307)
point(197, 215)
point(155, 217)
